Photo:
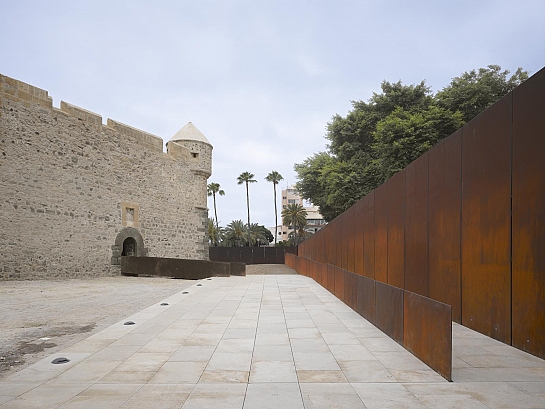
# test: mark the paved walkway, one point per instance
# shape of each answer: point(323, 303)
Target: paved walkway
point(268, 341)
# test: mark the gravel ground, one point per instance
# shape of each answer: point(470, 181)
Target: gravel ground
point(39, 318)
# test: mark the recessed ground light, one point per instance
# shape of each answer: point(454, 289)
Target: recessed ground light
point(60, 361)
point(185, 292)
point(164, 303)
point(199, 285)
point(129, 323)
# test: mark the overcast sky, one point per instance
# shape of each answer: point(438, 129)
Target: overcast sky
point(260, 79)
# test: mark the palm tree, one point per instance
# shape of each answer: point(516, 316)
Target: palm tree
point(214, 233)
point(247, 177)
point(234, 232)
point(294, 215)
point(274, 177)
point(259, 234)
point(212, 189)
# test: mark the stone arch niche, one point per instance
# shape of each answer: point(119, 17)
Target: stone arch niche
point(129, 242)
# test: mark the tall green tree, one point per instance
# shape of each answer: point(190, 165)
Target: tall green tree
point(403, 136)
point(274, 177)
point(213, 189)
point(247, 178)
point(294, 215)
point(474, 91)
point(381, 136)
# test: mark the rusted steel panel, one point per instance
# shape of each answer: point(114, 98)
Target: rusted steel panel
point(369, 235)
point(350, 223)
point(427, 332)
point(337, 242)
point(389, 310)
point(339, 283)
point(365, 305)
point(234, 254)
point(358, 238)
point(529, 215)
point(350, 289)
point(381, 233)
point(324, 232)
point(258, 254)
point(344, 239)
point(341, 236)
point(486, 216)
point(269, 255)
point(396, 229)
point(331, 278)
point(289, 261)
point(323, 275)
point(416, 227)
point(280, 255)
point(314, 270)
point(246, 255)
point(445, 208)
point(212, 254)
point(323, 245)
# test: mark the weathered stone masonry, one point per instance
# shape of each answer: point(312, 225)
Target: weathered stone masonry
point(73, 190)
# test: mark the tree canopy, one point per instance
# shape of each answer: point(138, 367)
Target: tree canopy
point(380, 137)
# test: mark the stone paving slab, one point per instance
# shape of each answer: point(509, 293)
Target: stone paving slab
point(268, 341)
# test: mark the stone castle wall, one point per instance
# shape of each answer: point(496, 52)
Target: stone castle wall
point(69, 186)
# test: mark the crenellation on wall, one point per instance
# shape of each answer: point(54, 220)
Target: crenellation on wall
point(146, 139)
point(81, 113)
point(23, 92)
point(68, 188)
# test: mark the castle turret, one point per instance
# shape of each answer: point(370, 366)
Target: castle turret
point(189, 145)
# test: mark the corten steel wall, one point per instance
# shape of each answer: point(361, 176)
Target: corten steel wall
point(528, 224)
point(251, 255)
point(445, 210)
point(420, 324)
point(416, 227)
point(396, 229)
point(381, 233)
point(463, 224)
point(369, 235)
point(486, 221)
point(358, 238)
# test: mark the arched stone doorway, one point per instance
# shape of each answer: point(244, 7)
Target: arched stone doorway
point(129, 242)
point(129, 247)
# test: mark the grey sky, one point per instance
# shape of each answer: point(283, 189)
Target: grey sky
point(260, 79)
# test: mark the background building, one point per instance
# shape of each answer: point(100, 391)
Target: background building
point(315, 221)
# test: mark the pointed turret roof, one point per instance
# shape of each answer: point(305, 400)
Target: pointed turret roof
point(190, 133)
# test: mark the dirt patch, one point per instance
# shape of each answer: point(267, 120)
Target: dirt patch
point(39, 318)
point(269, 269)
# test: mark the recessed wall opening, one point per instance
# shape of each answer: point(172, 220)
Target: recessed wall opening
point(129, 242)
point(195, 155)
point(129, 247)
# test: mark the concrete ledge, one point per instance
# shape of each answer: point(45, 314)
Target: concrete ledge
point(179, 268)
